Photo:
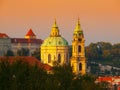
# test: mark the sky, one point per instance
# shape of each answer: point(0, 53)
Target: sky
point(100, 19)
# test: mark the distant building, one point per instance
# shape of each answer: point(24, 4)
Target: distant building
point(30, 42)
point(55, 48)
point(5, 43)
point(113, 82)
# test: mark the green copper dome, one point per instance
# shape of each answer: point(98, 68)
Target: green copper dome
point(55, 41)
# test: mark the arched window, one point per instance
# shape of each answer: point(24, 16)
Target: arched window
point(59, 58)
point(49, 58)
point(80, 66)
point(79, 48)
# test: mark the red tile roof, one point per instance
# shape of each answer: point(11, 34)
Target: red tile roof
point(23, 40)
point(2, 35)
point(30, 33)
point(105, 79)
point(29, 60)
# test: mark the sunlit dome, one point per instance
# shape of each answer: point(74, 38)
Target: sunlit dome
point(55, 41)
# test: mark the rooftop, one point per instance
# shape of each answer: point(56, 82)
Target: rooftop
point(30, 33)
point(3, 35)
point(28, 59)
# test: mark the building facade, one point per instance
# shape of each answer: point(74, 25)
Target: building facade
point(30, 42)
point(78, 60)
point(55, 48)
point(5, 44)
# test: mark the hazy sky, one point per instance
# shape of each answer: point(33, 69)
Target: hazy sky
point(100, 19)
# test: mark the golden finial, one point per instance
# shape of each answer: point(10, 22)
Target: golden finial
point(55, 24)
point(78, 21)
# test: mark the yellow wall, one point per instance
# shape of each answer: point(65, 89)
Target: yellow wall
point(54, 51)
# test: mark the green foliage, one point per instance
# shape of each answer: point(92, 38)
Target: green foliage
point(104, 53)
point(9, 53)
point(63, 74)
point(23, 52)
point(36, 54)
point(85, 82)
point(20, 75)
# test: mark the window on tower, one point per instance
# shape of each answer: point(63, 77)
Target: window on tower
point(80, 66)
point(79, 48)
point(49, 58)
point(79, 34)
point(79, 39)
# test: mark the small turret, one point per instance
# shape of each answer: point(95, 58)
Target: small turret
point(78, 32)
point(30, 35)
point(55, 30)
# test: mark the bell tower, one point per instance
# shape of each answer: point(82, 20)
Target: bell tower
point(78, 60)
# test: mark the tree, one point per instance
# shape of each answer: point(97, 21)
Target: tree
point(19, 75)
point(36, 54)
point(23, 52)
point(104, 53)
point(85, 82)
point(9, 53)
point(93, 52)
point(63, 76)
point(116, 45)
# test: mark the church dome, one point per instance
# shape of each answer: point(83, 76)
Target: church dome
point(55, 41)
point(55, 38)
